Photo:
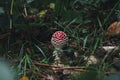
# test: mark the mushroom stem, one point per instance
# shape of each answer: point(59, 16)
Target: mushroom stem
point(57, 53)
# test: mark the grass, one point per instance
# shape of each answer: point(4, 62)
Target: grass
point(30, 38)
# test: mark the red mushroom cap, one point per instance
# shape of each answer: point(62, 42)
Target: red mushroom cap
point(59, 39)
point(59, 35)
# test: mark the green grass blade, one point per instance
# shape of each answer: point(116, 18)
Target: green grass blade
point(40, 50)
point(21, 52)
point(85, 41)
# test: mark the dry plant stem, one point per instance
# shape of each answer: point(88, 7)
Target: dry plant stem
point(2, 36)
point(61, 67)
point(79, 69)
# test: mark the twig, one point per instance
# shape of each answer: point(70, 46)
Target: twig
point(2, 36)
point(55, 66)
point(79, 69)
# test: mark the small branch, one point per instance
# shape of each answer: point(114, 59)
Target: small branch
point(62, 67)
point(2, 36)
point(79, 69)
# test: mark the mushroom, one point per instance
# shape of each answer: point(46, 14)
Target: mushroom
point(59, 40)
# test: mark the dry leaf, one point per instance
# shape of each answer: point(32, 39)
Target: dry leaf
point(114, 29)
point(24, 78)
point(92, 60)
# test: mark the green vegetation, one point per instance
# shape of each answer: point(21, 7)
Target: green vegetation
point(26, 28)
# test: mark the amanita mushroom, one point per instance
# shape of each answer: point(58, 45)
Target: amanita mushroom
point(58, 40)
